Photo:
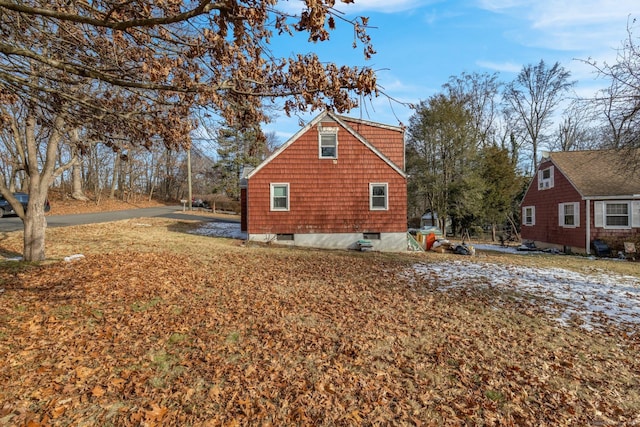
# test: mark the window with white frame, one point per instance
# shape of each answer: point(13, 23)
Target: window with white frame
point(378, 196)
point(617, 214)
point(328, 148)
point(569, 215)
point(529, 215)
point(545, 178)
point(280, 197)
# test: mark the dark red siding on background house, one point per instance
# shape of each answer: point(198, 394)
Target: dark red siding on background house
point(590, 179)
point(329, 195)
point(547, 228)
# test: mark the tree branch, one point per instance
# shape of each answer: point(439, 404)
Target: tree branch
point(204, 7)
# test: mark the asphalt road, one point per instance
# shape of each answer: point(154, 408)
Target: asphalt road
point(13, 223)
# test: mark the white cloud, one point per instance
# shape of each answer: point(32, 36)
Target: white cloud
point(506, 67)
point(579, 25)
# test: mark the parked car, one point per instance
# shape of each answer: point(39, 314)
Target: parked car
point(23, 198)
point(199, 203)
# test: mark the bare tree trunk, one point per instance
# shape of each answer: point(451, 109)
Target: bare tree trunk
point(76, 171)
point(35, 223)
point(116, 174)
point(76, 181)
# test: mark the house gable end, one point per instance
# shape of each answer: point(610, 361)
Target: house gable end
point(329, 116)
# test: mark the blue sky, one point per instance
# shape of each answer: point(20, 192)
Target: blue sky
point(421, 43)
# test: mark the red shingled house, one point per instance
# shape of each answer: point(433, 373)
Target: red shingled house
point(577, 197)
point(337, 181)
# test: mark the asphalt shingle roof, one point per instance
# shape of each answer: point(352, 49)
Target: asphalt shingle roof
point(600, 172)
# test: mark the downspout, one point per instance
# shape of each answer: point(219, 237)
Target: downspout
point(588, 225)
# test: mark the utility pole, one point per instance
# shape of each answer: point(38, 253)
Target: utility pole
point(189, 178)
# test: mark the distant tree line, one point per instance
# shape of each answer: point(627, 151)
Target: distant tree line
point(472, 148)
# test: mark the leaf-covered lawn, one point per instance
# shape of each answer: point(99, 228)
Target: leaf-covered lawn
point(232, 335)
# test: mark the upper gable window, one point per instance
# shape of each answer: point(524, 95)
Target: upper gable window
point(545, 178)
point(328, 143)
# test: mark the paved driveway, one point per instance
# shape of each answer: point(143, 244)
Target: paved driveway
point(13, 223)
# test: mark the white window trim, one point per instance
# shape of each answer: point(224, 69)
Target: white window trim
point(576, 215)
point(533, 216)
point(545, 183)
point(386, 196)
point(600, 214)
point(279, 184)
point(327, 131)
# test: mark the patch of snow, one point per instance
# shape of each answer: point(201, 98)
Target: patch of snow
point(595, 298)
point(73, 257)
point(220, 229)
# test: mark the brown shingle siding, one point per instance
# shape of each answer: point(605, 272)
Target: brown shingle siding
point(327, 195)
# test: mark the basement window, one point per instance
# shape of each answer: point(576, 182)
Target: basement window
point(284, 237)
point(371, 236)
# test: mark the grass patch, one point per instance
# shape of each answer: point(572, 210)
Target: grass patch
point(139, 306)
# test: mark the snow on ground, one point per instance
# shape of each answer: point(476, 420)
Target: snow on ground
point(221, 229)
point(592, 297)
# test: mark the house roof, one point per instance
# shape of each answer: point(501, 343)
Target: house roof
point(342, 121)
point(600, 173)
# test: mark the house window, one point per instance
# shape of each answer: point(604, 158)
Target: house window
point(280, 197)
point(545, 178)
point(328, 143)
point(617, 215)
point(529, 215)
point(284, 237)
point(378, 197)
point(569, 215)
point(371, 236)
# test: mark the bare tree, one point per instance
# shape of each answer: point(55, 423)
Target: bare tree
point(133, 72)
point(479, 92)
point(620, 101)
point(575, 131)
point(532, 98)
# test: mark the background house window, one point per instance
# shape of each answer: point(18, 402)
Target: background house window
point(329, 143)
point(545, 178)
point(378, 196)
point(529, 215)
point(280, 197)
point(617, 214)
point(569, 215)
